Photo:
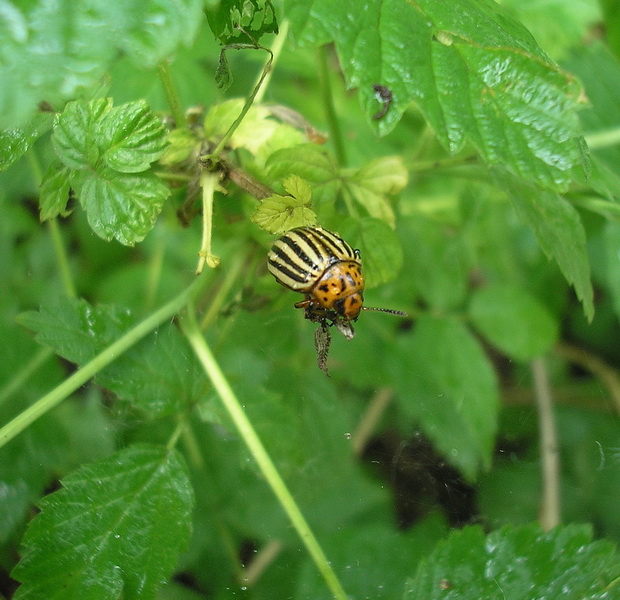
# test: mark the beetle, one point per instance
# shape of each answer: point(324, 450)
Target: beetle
point(328, 271)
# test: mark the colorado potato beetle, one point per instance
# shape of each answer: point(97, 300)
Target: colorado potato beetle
point(328, 271)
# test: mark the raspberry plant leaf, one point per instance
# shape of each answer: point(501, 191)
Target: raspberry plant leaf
point(477, 75)
point(16, 141)
point(115, 529)
point(518, 562)
point(54, 192)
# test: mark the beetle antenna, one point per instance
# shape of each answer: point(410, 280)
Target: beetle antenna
point(391, 311)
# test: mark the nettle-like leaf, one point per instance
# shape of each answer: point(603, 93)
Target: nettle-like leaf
point(516, 563)
point(447, 384)
point(559, 232)
point(374, 182)
point(236, 20)
point(379, 246)
point(115, 529)
point(476, 74)
point(278, 214)
point(157, 376)
point(80, 42)
point(122, 206)
point(513, 321)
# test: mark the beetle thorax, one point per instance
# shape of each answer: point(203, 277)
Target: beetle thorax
point(340, 289)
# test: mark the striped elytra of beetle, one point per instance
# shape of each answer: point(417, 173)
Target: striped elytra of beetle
point(328, 271)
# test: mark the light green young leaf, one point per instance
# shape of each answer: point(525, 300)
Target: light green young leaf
point(513, 321)
point(476, 74)
point(379, 246)
point(131, 137)
point(563, 563)
point(54, 193)
point(446, 383)
point(311, 163)
point(75, 135)
point(123, 206)
point(115, 529)
point(559, 233)
point(181, 145)
point(374, 182)
point(278, 214)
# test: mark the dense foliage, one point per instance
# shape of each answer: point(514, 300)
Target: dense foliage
point(166, 430)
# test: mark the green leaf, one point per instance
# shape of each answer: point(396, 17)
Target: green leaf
point(75, 135)
point(256, 18)
point(311, 163)
point(611, 240)
point(278, 214)
point(379, 246)
point(476, 74)
point(16, 141)
point(447, 384)
point(560, 234)
point(517, 563)
point(55, 190)
point(157, 376)
point(132, 137)
point(374, 182)
point(123, 206)
point(513, 321)
point(115, 529)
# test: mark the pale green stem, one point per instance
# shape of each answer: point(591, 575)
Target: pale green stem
point(62, 259)
point(276, 49)
point(262, 458)
point(20, 378)
point(172, 95)
point(246, 107)
point(103, 359)
point(208, 183)
point(335, 134)
point(603, 139)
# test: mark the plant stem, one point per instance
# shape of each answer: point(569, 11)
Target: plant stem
point(103, 359)
point(603, 139)
point(62, 259)
point(172, 95)
point(550, 504)
point(214, 156)
point(328, 104)
point(253, 442)
point(276, 49)
point(208, 184)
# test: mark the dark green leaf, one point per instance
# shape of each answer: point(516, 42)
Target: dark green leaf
point(122, 206)
point(514, 321)
point(611, 239)
point(560, 234)
point(256, 18)
point(156, 376)
point(16, 141)
point(75, 135)
point(379, 246)
point(54, 193)
point(131, 137)
point(114, 529)
point(476, 74)
point(446, 383)
point(517, 563)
